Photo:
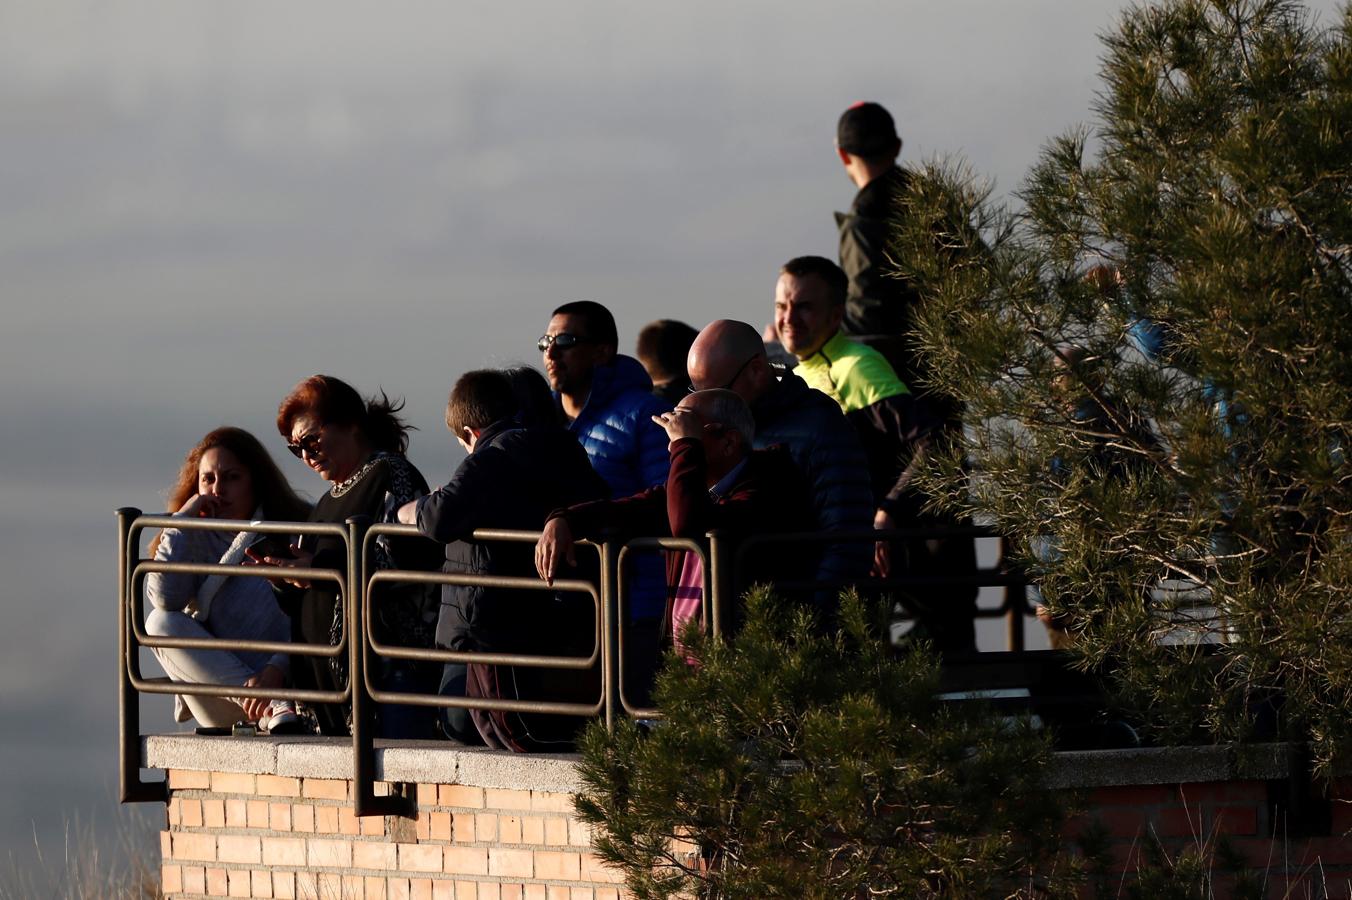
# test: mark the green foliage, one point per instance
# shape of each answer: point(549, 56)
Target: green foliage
point(803, 764)
point(1221, 191)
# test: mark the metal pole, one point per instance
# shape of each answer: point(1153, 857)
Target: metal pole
point(364, 799)
point(1016, 599)
point(610, 687)
point(131, 789)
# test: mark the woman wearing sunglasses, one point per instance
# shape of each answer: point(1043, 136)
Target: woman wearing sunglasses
point(228, 475)
point(358, 447)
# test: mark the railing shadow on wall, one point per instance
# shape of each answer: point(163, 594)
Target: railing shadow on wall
point(607, 593)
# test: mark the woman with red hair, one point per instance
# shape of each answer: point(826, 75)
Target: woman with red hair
point(358, 447)
point(228, 475)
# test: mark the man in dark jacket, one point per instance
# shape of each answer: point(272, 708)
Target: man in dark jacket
point(513, 477)
point(606, 398)
point(729, 354)
point(716, 481)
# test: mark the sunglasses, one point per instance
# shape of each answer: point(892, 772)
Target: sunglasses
point(563, 340)
point(731, 381)
point(306, 443)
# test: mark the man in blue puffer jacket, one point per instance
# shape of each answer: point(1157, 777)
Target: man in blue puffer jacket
point(607, 400)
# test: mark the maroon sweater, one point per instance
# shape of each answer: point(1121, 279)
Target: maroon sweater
point(769, 495)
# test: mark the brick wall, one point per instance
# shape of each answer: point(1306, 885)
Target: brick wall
point(264, 817)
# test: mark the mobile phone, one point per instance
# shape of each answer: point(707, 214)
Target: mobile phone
point(274, 545)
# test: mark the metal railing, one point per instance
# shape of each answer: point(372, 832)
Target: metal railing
point(357, 583)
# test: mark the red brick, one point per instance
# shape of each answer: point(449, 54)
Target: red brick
point(375, 888)
point(303, 818)
point(420, 858)
point(1123, 824)
point(501, 799)
point(556, 831)
point(194, 880)
point(187, 780)
point(486, 826)
point(232, 783)
point(461, 796)
point(594, 870)
point(551, 801)
point(187, 813)
point(1224, 792)
point(373, 826)
point(439, 826)
point(238, 882)
point(555, 866)
point(235, 848)
point(201, 847)
point(1178, 821)
point(397, 889)
point(326, 820)
point(278, 786)
point(307, 885)
point(466, 860)
point(352, 886)
point(257, 813)
point(218, 883)
point(324, 789)
point(261, 882)
point(532, 830)
point(488, 891)
point(284, 885)
point(330, 885)
point(236, 814)
point(422, 826)
point(328, 854)
point(579, 833)
point(283, 852)
point(279, 816)
point(511, 863)
point(509, 829)
point(374, 855)
point(420, 889)
point(443, 889)
point(462, 828)
point(348, 823)
point(1234, 820)
point(213, 813)
point(171, 879)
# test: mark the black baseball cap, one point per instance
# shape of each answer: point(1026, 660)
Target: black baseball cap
point(867, 130)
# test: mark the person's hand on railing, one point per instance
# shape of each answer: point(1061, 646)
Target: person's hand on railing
point(882, 550)
point(298, 559)
point(555, 544)
point(408, 513)
point(256, 707)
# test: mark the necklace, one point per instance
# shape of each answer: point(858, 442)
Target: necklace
point(342, 487)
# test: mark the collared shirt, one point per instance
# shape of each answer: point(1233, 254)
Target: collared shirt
point(853, 374)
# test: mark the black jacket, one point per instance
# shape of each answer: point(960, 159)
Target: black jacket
point(514, 478)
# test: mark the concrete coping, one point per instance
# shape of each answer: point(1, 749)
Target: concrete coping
point(440, 762)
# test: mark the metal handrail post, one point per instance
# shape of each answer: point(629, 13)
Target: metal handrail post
point(719, 580)
point(610, 687)
point(131, 789)
point(1016, 603)
point(364, 799)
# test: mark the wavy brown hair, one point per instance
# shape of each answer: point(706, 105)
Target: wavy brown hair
point(272, 492)
point(333, 401)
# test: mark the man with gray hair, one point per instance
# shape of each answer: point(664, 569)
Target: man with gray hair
point(716, 482)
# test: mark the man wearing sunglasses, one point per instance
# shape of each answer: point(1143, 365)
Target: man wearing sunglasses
point(607, 401)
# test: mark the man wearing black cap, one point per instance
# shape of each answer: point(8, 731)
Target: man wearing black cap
point(878, 307)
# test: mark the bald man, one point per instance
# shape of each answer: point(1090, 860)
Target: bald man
point(716, 482)
point(729, 354)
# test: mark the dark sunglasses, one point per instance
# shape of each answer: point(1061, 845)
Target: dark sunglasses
point(563, 340)
point(306, 443)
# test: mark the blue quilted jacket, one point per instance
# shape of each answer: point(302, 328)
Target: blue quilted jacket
point(616, 429)
point(629, 451)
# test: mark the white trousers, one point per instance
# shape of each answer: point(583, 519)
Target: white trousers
point(199, 667)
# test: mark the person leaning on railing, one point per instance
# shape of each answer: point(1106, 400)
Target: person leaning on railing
point(519, 468)
point(358, 447)
point(227, 475)
point(716, 482)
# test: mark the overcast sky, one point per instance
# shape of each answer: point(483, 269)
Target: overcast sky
point(202, 203)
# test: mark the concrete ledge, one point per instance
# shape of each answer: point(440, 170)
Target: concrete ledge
point(419, 762)
point(1169, 765)
point(441, 762)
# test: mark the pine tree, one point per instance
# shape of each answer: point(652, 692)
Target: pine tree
point(801, 764)
point(1155, 351)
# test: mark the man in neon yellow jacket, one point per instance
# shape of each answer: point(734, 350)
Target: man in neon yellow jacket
point(895, 427)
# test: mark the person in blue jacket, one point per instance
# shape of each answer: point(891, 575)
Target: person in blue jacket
point(606, 400)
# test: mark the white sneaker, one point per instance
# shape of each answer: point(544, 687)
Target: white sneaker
point(281, 718)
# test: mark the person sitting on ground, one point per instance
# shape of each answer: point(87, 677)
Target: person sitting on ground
point(513, 477)
point(730, 355)
point(662, 348)
point(896, 429)
point(716, 482)
point(227, 475)
point(357, 446)
point(606, 399)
